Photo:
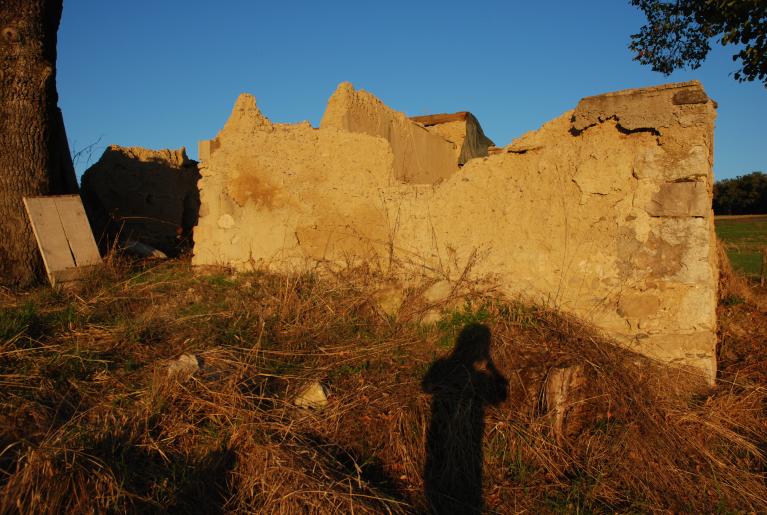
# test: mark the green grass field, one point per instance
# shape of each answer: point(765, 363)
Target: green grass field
point(744, 237)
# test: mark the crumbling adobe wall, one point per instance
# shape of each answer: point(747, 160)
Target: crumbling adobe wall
point(146, 195)
point(278, 193)
point(604, 212)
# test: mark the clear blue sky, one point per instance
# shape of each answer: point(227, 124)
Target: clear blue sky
point(165, 73)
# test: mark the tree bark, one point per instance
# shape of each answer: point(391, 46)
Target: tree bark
point(32, 161)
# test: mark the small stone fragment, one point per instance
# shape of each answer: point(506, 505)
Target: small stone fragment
point(431, 317)
point(438, 292)
point(562, 395)
point(186, 364)
point(312, 396)
point(690, 96)
point(143, 250)
point(226, 221)
point(390, 299)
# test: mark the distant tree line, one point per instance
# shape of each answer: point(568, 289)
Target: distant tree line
point(743, 195)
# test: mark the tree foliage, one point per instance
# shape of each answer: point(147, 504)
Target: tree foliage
point(678, 34)
point(744, 195)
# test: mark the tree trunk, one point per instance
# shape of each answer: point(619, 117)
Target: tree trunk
point(32, 161)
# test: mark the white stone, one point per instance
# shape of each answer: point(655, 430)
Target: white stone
point(226, 221)
point(186, 364)
point(431, 317)
point(390, 299)
point(438, 292)
point(312, 396)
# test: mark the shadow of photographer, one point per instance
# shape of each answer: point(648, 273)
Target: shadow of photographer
point(461, 385)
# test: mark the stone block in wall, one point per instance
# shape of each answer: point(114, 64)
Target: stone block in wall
point(644, 109)
point(688, 198)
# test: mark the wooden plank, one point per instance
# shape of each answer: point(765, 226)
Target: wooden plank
point(77, 230)
point(436, 119)
point(67, 276)
point(72, 274)
point(49, 234)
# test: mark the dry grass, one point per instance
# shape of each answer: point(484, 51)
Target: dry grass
point(90, 421)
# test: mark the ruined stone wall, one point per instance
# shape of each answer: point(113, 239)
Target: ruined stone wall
point(604, 212)
point(276, 194)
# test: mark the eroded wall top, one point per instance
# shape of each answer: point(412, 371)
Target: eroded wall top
point(420, 156)
point(462, 130)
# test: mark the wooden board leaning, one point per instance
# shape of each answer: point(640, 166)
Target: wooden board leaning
point(63, 235)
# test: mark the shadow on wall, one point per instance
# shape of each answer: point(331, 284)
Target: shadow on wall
point(135, 194)
point(461, 386)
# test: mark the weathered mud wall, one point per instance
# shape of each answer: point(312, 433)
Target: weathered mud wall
point(604, 212)
point(274, 193)
point(151, 196)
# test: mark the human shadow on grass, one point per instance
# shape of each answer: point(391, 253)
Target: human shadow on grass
point(461, 385)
